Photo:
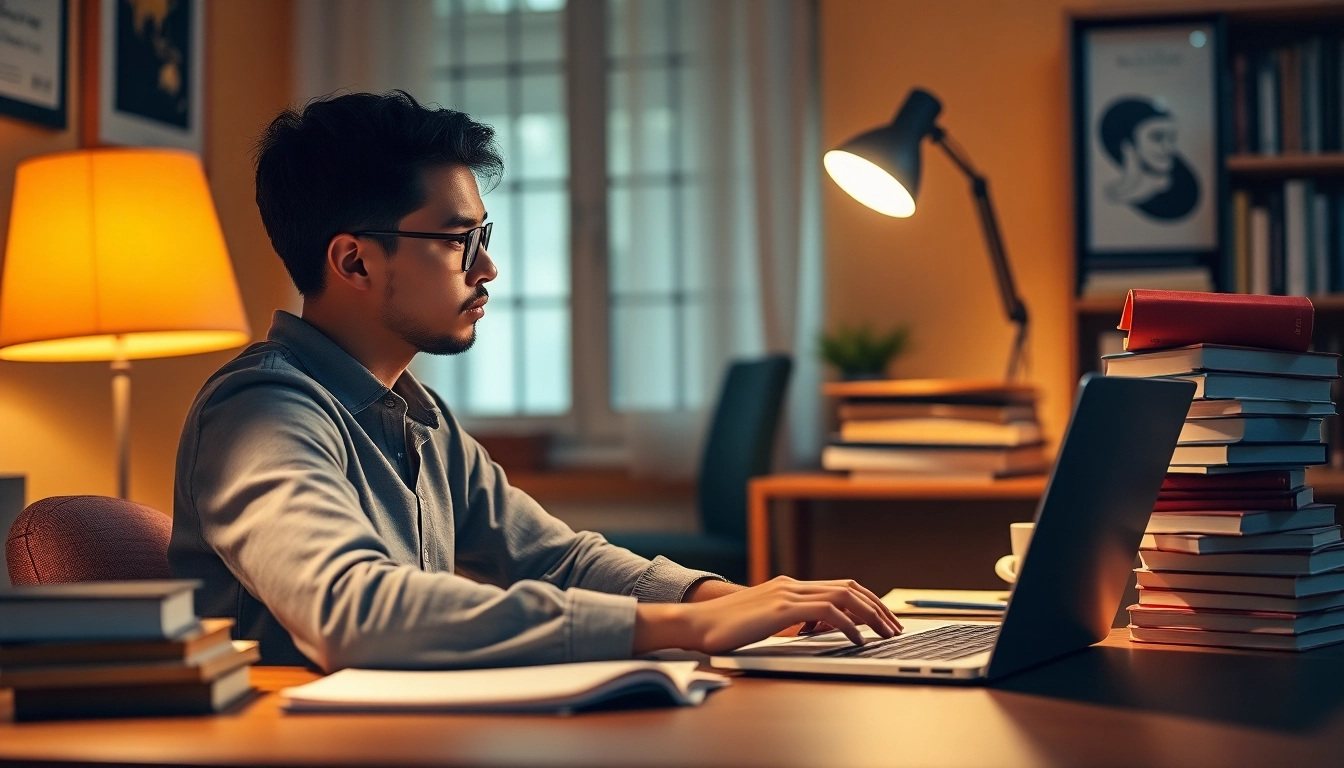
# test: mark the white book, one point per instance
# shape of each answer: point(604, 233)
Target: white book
point(940, 432)
point(548, 687)
point(1295, 194)
point(1257, 429)
point(1203, 543)
point(1210, 409)
point(1231, 601)
point(1237, 639)
point(1220, 357)
point(1275, 586)
point(1241, 523)
point(1319, 561)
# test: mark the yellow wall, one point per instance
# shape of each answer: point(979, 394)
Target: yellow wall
point(56, 419)
point(1000, 69)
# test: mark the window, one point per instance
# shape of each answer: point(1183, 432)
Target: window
point(504, 62)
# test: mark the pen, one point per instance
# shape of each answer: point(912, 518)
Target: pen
point(956, 604)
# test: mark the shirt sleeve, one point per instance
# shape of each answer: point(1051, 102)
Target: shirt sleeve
point(505, 537)
point(269, 485)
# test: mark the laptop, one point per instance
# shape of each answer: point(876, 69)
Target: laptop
point(1088, 527)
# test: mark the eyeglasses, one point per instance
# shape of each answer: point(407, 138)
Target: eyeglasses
point(473, 240)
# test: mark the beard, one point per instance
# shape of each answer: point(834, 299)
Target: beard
point(427, 340)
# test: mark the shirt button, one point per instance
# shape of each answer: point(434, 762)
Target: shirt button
point(425, 555)
point(390, 401)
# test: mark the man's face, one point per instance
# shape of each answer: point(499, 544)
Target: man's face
point(429, 301)
point(1155, 143)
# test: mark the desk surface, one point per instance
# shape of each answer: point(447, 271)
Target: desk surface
point(1115, 704)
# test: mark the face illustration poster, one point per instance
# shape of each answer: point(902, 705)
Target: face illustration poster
point(1147, 126)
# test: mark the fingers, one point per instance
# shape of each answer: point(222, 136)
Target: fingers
point(822, 611)
point(874, 599)
point(853, 602)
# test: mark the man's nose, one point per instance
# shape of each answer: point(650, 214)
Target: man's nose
point(483, 269)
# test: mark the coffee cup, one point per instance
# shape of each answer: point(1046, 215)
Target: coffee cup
point(1008, 565)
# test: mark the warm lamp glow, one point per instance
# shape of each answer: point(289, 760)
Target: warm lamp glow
point(869, 184)
point(116, 253)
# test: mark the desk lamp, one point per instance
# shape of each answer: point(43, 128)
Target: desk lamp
point(116, 254)
point(881, 169)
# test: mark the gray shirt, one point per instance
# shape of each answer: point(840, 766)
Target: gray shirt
point(346, 524)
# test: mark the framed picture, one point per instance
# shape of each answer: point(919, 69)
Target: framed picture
point(32, 60)
point(150, 73)
point(1148, 144)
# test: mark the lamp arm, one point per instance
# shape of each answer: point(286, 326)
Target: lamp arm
point(1003, 274)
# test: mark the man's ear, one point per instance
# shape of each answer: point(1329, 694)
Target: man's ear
point(345, 259)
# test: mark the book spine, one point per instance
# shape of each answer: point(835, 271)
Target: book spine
point(1290, 99)
point(1259, 250)
point(1320, 243)
point(1267, 88)
point(1276, 242)
point(1241, 235)
point(1311, 95)
point(1295, 237)
point(1240, 140)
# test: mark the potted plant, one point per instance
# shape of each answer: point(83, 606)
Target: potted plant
point(859, 352)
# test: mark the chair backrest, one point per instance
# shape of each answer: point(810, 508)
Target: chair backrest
point(87, 538)
point(741, 442)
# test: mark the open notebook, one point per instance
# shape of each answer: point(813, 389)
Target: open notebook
point(553, 687)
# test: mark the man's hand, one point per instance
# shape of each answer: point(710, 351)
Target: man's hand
point(709, 589)
point(755, 613)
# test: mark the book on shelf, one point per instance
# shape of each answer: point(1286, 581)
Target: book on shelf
point(1222, 386)
point(1286, 98)
point(1256, 429)
point(110, 610)
point(1248, 640)
point(1230, 601)
point(198, 642)
point(1321, 560)
point(1241, 523)
point(941, 432)
point(1214, 409)
point(1235, 621)
point(884, 411)
point(203, 669)
point(544, 688)
point(1294, 586)
point(1291, 233)
point(1203, 543)
point(931, 460)
point(1198, 358)
point(1249, 454)
point(1161, 319)
point(1281, 480)
point(1272, 501)
point(153, 700)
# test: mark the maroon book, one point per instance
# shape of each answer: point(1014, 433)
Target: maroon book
point(1273, 502)
point(1275, 480)
point(1161, 319)
point(1222, 494)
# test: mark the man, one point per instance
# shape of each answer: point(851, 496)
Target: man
point(332, 505)
point(1139, 136)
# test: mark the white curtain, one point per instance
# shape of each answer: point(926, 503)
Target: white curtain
point(748, 111)
point(756, 157)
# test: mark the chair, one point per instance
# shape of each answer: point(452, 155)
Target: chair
point(87, 538)
point(740, 444)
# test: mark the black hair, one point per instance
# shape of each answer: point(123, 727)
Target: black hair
point(1120, 120)
point(351, 162)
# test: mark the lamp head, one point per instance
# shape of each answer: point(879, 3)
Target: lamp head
point(881, 168)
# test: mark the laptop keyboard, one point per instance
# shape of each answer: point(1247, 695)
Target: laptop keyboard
point(953, 641)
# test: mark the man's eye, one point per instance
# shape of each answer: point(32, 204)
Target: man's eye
point(454, 244)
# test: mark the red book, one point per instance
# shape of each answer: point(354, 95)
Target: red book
point(1275, 480)
point(1160, 319)
point(1276, 502)
point(1212, 495)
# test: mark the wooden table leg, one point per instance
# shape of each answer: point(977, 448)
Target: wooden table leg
point(758, 535)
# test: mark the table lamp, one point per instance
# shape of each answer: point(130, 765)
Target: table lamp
point(881, 169)
point(116, 254)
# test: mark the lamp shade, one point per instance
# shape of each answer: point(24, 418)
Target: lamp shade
point(116, 254)
point(881, 168)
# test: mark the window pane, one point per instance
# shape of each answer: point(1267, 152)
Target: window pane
point(440, 373)
point(542, 31)
point(545, 267)
point(505, 238)
point(693, 381)
point(486, 99)
point(546, 334)
point(639, 27)
point(486, 35)
point(644, 369)
point(643, 142)
point(646, 262)
point(542, 131)
point(491, 375)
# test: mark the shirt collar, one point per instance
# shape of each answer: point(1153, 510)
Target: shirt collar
point(353, 385)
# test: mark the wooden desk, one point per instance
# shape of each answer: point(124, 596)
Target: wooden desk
point(787, 488)
point(1115, 704)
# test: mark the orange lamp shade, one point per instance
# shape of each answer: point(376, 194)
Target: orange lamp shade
point(116, 254)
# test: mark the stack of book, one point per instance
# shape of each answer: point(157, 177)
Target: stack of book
point(935, 428)
point(1237, 552)
point(116, 649)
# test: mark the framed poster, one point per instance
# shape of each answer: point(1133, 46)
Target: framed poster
point(151, 57)
point(1149, 176)
point(32, 60)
